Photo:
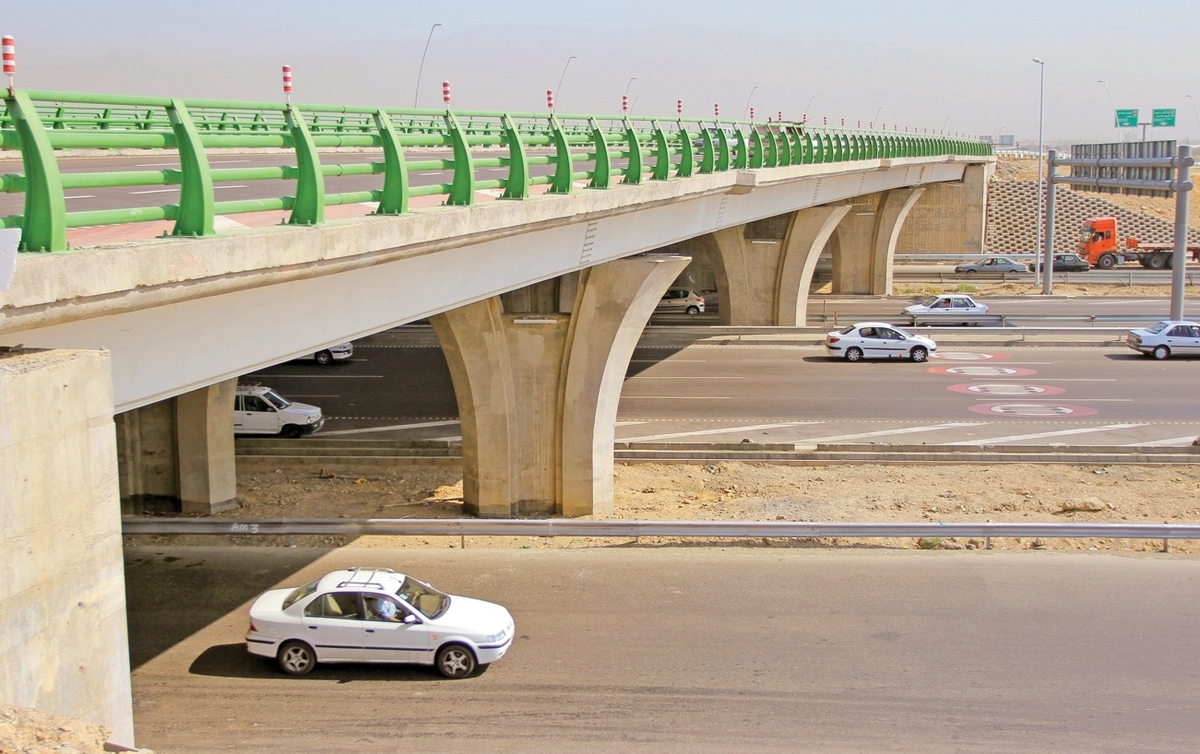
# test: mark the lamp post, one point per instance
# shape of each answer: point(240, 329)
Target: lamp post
point(1041, 133)
point(558, 89)
point(877, 112)
point(634, 104)
point(1194, 110)
point(747, 110)
point(422, 68)
point(1114, 108)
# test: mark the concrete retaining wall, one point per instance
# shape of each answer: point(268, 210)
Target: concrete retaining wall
point(63, 641)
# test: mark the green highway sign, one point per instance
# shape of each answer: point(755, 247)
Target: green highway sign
point(1127, 118)
point(1165, 117)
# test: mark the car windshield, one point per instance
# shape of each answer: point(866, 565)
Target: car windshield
point(276, 400)
point(846, 330)
point(1086, 235)
point(298, 594)
point(1158, 327)
point(422, 597)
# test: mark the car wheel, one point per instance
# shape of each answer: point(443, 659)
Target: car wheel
point(292, 431)
point(324, 358)
point(1161, 352)
point(693, 310)
point(919, 354)
point(296, 658)
point(1106, 262)
point(1156, 262)
point(971, 272)
point(854, 354)
point(455, 661)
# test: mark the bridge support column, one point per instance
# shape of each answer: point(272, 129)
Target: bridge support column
point(864, 246)
point(178, 454)
point(64, 647)
point(538, 374)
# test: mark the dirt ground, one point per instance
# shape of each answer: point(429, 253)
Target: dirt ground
point(29, 731)
point(755, 492)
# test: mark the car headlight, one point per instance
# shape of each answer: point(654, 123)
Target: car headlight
point(490, 638)
point(312, 419)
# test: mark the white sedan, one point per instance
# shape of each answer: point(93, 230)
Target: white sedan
point(1162, 339)
point(377, 615)
point(946, 306)
point(878, 340)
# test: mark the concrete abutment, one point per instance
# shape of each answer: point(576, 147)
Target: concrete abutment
point(537, 374)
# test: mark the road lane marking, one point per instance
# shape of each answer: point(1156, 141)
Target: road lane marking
point(630, 423)
point(1082, 379)
point(682, 397)
point(718, 431)
point(156, 191)
point(81, 196)
point(391, 428)
point(1074, 400)
point(703, 377)
point(663, 361)
point(1160, 443)
point(1039, 435)
point(880, 433)
point(322, 376)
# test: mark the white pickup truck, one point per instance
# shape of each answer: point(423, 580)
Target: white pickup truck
point(259, 410)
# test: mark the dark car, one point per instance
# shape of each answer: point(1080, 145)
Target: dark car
point(992, 264)
point(1070, 263)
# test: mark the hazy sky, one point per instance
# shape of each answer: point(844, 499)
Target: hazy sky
point(922, 62)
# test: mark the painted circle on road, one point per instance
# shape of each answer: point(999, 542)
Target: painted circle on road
point(984, 370)
point(968, 356)
point(1042, 410)
point(1006, 389)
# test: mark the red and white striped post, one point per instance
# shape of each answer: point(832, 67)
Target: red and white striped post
point(624, 103)
point(446, 93)
point(10, 60)
point(287, 83)
point(550, 100)
point(679, 107)
point(717, 110)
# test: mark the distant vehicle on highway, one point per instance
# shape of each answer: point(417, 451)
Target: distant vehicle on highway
point(333, 353)
point(681, 300)
point(878, 340)
point(1099, 244)
point(259, 410)
point(946, 306)
point(1162, 339)
point(1070, 263)
point(992, 264)
point(377, 615)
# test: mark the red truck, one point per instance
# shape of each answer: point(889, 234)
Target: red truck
point(1100, 248)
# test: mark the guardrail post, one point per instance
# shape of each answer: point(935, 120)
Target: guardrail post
point(517, 186)
point(633, 166)
point(740, 161)
point(196, 189)
point(563, 167)
point(308, 208)
point(662, 154)
point(687, 153)
point(462, 187)
point(44, 224)
point(785, 149)
point(756, 160)
point(707, 157)
point(772, 149)
point(722, 163)
point(602, 174)
point(394, 198)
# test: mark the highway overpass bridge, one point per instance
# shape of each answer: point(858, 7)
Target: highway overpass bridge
point(539, 251)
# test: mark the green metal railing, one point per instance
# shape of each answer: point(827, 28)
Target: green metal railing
point(601, 150)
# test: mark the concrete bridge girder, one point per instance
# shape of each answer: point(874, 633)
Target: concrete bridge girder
point(538, 389)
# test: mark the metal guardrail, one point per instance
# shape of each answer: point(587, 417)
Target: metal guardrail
point(42, 124)
point(710, 529)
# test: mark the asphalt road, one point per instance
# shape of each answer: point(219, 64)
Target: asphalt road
point(697, 649)
point(398, 381)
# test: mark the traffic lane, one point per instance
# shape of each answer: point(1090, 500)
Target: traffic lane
point(718, 649)
point(799, 382)
point(858, 309)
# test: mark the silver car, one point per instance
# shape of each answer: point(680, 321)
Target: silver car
point(680, 300)
point(878, 340)
point(992, 264)
point(1162, 339)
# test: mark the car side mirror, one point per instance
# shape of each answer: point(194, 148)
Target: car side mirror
point(901, 337)
point(410, 619)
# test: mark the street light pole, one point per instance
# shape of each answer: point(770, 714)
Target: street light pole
point(558, 89)
point(1114, 109)
point(746, 112)
point(627, 86)
point(876, 118)
point(810, 101)
point(1194, 110)
point(947, 120)
point(422, 68)
point(1041, 155)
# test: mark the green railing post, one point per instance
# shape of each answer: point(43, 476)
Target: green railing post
point(741, 161)
point(633, 166)
point(44, 224)
point(687, 153)
point(394, 199)
point(309, 205)
point(708, 157)
point(809, 150)
point(196, 188)
point(785, 147)
point(722, 148)
point(772, 149)
point(59, 114)
point(662, 154)
point(462, 188)
point(563, 167)
point(602, 173)
point(517, 186)
point(756, 159)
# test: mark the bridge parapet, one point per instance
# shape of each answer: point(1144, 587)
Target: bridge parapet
point(597, 151)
